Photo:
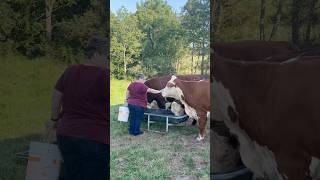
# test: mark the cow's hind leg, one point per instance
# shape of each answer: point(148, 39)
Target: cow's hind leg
point(202, 125)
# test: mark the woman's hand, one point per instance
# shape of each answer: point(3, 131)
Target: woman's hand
point(153, 91)
point(50, 131)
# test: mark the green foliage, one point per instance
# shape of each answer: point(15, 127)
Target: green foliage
point(196, 22)
point(23, 26)
point(164, 38)
point(239, 20)
point(155, 40)
point(125, 42)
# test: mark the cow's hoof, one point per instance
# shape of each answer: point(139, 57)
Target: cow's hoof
point(200, 138)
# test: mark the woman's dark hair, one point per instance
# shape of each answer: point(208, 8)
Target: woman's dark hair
point(97, 45)
point(140, 76)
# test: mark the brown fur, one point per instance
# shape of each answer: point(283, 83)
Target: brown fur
point(278, 107)
point(197, 95)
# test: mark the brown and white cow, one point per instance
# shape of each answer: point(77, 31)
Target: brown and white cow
point(274, 111)
point(194, 95)
point(161, 82)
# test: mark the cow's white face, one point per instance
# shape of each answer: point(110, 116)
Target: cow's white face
point(171, 90)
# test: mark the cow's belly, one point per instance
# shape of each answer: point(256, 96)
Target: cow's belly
point(257, 158)
point(191, 112)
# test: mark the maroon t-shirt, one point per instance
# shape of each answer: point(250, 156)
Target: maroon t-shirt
point(85, 103)
point(138, 94)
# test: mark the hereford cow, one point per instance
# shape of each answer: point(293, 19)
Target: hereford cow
point(160, 83)
point(194, 95)
point(273, 109)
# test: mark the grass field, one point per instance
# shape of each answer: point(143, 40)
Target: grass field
point(25, 92)
point(176, 155)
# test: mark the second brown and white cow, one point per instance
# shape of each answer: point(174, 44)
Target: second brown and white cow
point(194, 95)
point(273, 110)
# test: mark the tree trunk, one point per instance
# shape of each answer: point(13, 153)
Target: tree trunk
point(262, 15)
point(276, 23)
point(202, 60)
point(217, 17)
point(192, 54)
point(295, 22)
point(124, 61)
point(49, 8)
point(310, 20)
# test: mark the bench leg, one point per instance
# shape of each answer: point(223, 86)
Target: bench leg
point(167, 124)
point(148, 122)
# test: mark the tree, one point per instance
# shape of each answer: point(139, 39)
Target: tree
point(50, 4)
point(296, 21)
point(163, 40)
point(262, 17)
point(277, 20)
point(25, 29)
point(196, 21)
point(310, 19)
point(125, 42)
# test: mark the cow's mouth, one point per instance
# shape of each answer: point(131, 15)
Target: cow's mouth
point(170, 99)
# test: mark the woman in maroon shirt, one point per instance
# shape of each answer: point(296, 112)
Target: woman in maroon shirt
point(80, 105)
point(136, 98)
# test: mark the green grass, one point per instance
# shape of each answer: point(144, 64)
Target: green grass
point(174, 155)
point(118, 91)
point(25, 92)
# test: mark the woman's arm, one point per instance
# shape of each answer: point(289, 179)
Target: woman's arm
point(153, 91)
point(56, 104)
point(127, 95)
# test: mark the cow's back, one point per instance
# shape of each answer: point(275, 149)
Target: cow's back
point(253, 50)
point(161, 82)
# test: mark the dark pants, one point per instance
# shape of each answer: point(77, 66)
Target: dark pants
point(84, 159)
point(136, 114)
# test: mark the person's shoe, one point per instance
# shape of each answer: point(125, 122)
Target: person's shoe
point(140, 133)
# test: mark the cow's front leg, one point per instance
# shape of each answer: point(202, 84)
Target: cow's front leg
point(202, 125)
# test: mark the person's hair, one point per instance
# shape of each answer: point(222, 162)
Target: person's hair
point(97, 45)
point(140, 76)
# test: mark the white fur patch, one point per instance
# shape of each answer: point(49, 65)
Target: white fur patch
point(258, 159)
point(177, 109)
point(191, 112)
point(315, 168)
point(200, 138)
point(173, 77)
